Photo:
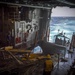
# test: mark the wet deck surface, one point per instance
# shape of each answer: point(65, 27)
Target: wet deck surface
point(64, 67)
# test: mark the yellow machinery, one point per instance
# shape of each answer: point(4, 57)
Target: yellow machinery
point(48, 63)
point(8, 47)
point(32, 56)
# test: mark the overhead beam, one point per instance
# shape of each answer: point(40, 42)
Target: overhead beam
point(26, 5)
point(66, 2)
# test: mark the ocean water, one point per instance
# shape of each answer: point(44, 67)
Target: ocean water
point(62, 24)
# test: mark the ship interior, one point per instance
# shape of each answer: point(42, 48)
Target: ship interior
point(25, 33)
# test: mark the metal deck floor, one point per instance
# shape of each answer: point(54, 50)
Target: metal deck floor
point(63, 67)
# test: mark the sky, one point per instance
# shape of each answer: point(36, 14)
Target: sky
point(63, 11)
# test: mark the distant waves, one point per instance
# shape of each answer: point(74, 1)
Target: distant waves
point(63, 24)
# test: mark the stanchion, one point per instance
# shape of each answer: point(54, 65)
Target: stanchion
point(58, 60)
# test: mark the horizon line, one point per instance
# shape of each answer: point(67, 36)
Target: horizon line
point(62, 16)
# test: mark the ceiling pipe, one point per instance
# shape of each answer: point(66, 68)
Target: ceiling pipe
point(66, 2)
point(32, 6)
